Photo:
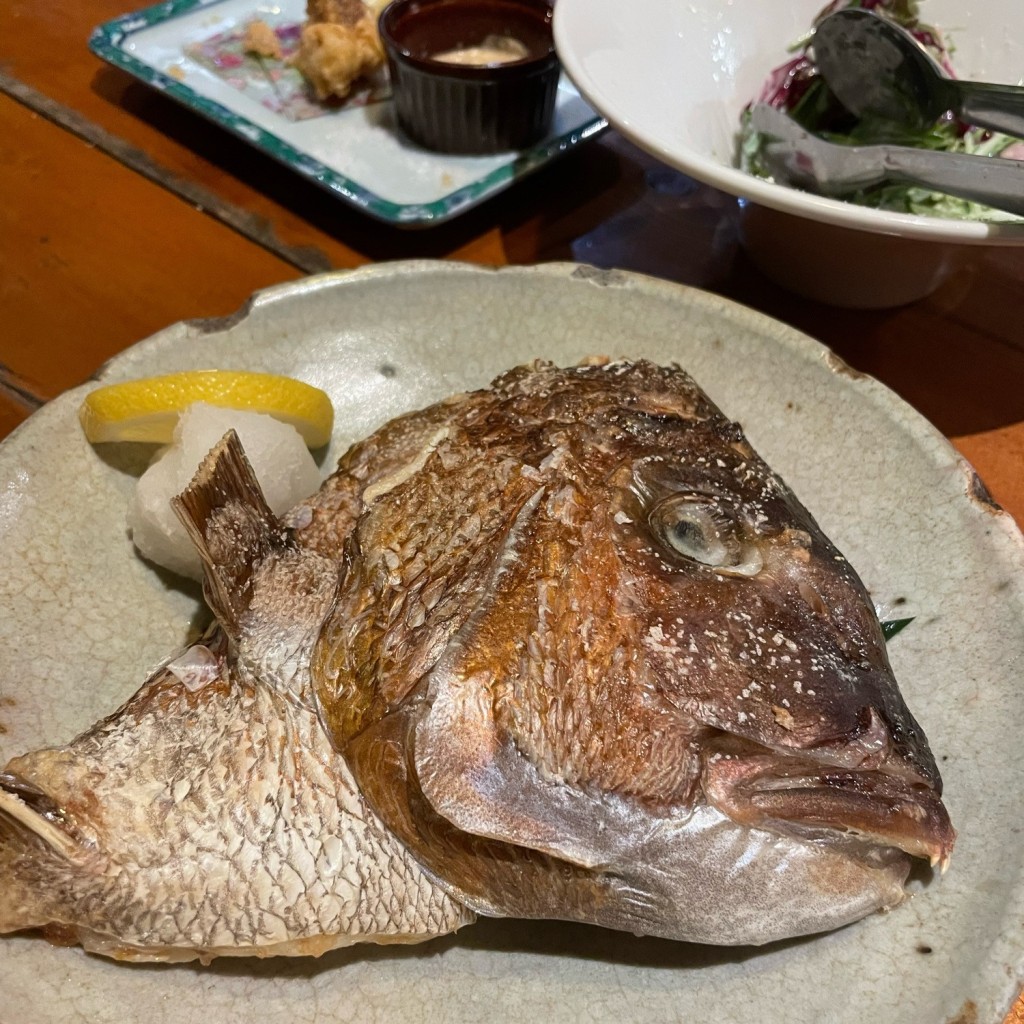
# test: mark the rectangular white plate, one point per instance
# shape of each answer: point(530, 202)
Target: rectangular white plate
point(188, 50)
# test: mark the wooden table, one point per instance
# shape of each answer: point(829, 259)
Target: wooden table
point(123, 213)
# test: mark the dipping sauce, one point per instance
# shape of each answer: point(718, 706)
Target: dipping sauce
point(493, 50)
point(472, 76)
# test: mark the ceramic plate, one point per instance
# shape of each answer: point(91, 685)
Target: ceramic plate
point(192, 51)
point(84, 619)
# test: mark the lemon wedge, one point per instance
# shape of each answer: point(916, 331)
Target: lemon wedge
point(148, 409)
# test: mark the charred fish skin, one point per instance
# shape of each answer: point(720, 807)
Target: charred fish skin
point(583, 615)
point(210, 815)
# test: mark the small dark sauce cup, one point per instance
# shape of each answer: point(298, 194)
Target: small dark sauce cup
point(465, 108)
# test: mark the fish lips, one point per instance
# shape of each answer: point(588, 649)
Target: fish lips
point(798, 794)
point(842, 760)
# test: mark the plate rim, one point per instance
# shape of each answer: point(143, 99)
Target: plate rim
point(939, 446)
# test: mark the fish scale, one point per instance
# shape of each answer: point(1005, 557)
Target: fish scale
point(243, 874)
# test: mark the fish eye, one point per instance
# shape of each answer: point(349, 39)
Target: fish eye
point(696, 527)
point(694, 530)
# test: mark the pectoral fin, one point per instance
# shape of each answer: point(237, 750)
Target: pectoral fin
point(473, 775)
point(270, 594)
point(224, 512)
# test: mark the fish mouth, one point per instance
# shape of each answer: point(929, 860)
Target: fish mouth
point(28, 813)
point(37, 846)
point(868, 807)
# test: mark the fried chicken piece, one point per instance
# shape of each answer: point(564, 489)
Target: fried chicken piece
point(336, 12)
point(338, 45)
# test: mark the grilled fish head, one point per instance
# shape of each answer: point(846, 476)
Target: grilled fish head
point(757, 628)
point(580, 616)
point(564, 647)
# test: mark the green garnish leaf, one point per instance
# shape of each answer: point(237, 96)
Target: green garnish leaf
point(894, 626)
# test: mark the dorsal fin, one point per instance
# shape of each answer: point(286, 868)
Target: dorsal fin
point(228, 519)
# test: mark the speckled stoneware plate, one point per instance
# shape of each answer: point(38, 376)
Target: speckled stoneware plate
point(83, 619)
point(192, 51)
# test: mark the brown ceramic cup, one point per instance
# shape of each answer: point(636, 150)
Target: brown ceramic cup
point(471, 108)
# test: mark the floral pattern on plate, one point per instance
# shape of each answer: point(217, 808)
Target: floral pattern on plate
point(273, 81)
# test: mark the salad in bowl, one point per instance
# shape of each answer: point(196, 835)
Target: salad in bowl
point(798, 88)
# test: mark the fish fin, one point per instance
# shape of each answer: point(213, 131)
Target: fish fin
point(477, 778)
point(232, 526)
point(490, 877)
point(39, 849)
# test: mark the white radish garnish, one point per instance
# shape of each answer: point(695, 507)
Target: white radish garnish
point(282, 463)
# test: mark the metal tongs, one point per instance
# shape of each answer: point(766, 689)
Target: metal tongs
point(877, 68)
point(794, 155)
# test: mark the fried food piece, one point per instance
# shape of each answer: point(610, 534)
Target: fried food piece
point(336, 12)
point(339, 44)
point(260, 39)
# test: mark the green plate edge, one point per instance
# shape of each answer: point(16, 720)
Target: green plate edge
point(107, 40)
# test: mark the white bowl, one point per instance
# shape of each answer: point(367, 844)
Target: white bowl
point(674, 75)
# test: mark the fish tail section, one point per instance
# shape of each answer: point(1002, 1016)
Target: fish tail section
point(234, 530)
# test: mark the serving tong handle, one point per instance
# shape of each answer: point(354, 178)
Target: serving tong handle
point(795, 155)
point(999, 107)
